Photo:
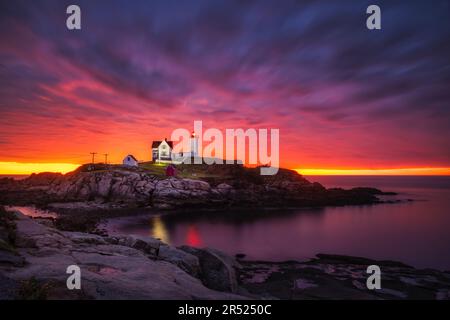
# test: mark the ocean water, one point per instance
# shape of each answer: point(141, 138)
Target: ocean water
point(416, 233)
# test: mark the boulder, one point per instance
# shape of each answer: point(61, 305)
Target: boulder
point(104, 185)
point(224, 188)
point(182, 259)
point(173, 192)
point(217, 269)
point(145, 244)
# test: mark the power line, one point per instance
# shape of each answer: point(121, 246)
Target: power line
point(93, 156)
point(106, 158)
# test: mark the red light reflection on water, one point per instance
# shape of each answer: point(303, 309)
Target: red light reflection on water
point(193, 236)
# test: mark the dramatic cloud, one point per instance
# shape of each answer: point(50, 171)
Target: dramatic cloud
point(342, 96)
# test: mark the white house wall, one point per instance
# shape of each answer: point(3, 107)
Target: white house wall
point(164, 152)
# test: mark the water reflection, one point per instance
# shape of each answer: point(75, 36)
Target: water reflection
point(158, 229)
point(193, 236)
point(415, 233)
point(32, 212)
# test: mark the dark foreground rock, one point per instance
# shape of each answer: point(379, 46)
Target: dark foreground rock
point(341, 277)
point(111, 267)
point(222, 186)
point(217, 270)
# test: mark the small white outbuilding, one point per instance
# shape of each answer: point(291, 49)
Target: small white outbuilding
point(130, 161)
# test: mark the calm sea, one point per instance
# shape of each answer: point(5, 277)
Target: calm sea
point(416, 233)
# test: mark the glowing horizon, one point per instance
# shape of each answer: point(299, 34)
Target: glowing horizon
point(375, 172)
point(29, 168)
point(24, 168)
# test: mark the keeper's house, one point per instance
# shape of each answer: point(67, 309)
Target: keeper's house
point(162, 151)
point(130, 161)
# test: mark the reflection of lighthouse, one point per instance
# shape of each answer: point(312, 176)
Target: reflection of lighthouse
point(194, 145)
point(159, 230)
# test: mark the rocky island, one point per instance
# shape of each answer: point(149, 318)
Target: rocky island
point(196, 186)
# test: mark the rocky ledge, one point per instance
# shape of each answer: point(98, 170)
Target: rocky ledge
point(342, 277)
point(217, 187)
point(34, 257)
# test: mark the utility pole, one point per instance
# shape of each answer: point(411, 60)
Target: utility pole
point(106, 158)
point(93, 156)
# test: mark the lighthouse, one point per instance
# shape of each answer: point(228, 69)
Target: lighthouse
point(194, 145)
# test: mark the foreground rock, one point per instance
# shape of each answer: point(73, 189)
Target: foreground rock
point(112, 267)
point(222, 186)
point(341, 277)
point(217, 270)
point(34, 257)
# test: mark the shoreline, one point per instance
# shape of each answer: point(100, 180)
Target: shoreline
point(325, 276)
point(238, 256)
point(93, 216)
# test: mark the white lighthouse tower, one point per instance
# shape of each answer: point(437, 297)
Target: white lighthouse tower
point(194, 145)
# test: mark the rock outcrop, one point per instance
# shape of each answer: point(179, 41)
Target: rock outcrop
point(341, 277)
point(111, 267)
point(33, 265)
point(236, 187)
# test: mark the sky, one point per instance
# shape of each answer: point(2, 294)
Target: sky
point(343, 97)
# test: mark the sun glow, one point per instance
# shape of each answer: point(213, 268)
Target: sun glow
point(29, 168)
point(374, 172)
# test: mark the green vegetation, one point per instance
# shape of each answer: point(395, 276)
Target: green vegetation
point(158, 169)
point(216, 173)
point(191, 171)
